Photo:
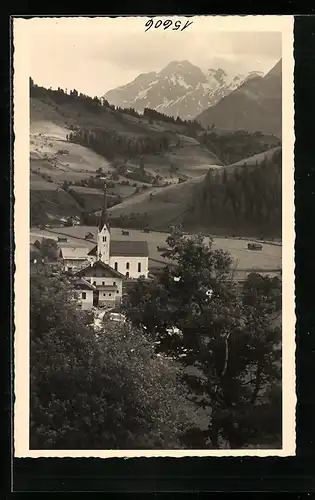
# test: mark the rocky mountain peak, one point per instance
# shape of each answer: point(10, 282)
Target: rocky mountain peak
point(179, 89)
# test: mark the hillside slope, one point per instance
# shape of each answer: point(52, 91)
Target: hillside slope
point(241, 199)
point(158, 172)
point(61, 159)
point(158, 208)
point(255, 106)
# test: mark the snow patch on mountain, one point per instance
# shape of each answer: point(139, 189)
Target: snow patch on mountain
point(179, 89)
point(182, 82)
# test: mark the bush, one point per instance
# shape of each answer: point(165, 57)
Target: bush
point(228, 334)
point(97, 392)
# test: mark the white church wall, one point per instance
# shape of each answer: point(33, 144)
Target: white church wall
point(133, 269)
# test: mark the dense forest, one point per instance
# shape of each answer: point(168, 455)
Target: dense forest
point(246, 199)
point(61, 96)
point(108, 143)
point(234, 146)
point(103, 141)
point(95, 104)
point(155, 115)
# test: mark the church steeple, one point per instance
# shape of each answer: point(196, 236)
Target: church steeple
point(103, 233)
point(104, 215)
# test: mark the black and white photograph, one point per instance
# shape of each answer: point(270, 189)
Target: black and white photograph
point(154, 233)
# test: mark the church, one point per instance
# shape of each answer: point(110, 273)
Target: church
point(100, 274)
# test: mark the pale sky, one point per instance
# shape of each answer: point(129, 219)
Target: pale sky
point(96, 55)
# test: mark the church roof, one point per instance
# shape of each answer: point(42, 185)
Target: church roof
point(128, 248)
point(120, 248)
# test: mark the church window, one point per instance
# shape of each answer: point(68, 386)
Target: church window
point(104, 294)
point(116, 266)
point(117, 291)
point(94, 282)
point(83, 295)
point(103, 282)
point(104, 238)
point(110, 294)
point(127, 274)
point(139, 267)
point(127, 265)
point(114, 283)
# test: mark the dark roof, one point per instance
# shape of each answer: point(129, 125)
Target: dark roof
point(93, 251)
point(128, 248)
point(82, 284)
point(89, 235)
point(99, 263)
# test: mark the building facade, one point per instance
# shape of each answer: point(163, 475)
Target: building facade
point(101, 272)
point(73, 258)
point(85, 292)
point(106, 284)
point(128, 257)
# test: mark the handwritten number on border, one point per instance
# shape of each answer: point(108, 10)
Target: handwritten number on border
point(167, 24)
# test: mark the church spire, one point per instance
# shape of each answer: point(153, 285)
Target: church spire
point(104, 215)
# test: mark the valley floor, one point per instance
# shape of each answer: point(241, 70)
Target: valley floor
point(266, 261)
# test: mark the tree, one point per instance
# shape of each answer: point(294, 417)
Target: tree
point(243, 200)
point(48, 248)
point(141, 165)
point(65, 185)
point(231, 345)
point(37, 244)
point(104, 391)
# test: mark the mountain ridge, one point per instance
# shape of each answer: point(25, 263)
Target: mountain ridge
point(74, 139)
point(179, 89)
point(256, 105)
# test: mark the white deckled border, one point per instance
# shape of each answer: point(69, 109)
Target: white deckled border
point(21, 228)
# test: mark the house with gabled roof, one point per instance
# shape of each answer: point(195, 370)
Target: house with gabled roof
point(105, 282)
point(85, 292)
point(128, 257)
point(73, 258)
point(99, 273)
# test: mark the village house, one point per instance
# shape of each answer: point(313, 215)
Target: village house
point(128, 257)
point(85, 293)
point(73, 258)
point(105, 285)
point(101, 272)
